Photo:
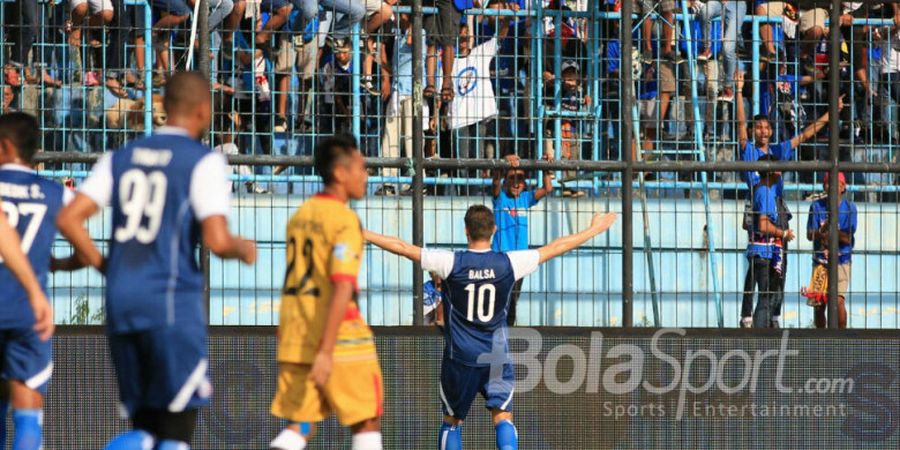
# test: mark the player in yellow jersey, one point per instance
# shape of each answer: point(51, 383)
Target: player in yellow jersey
point(326, 352)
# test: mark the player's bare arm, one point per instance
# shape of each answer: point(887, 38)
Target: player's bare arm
point(71, 224)
point(225, 245)
point(814, 129)
point(394, 245)
point(17, 262)
point(340, 299)
point(741, 114)
point(599, 224)
point(768, 228)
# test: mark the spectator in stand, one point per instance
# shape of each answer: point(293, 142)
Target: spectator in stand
point(377, 14)
point(473, 103)
point(775, 9)
point(101, 13)
point(298, 48)
point(762, 133)
point(20, 25)
point(732, 14)
point(766, 269)
point(813, 14)
point(349, 12)
point(171, 14)
point(279, 13)
point(817, 232)
point(511, 203)
point(336, 89)
point(127, 28)
point(442, 30)
point(889, 85)
point(399, 112)
point(667, 12)
point(253, 93)
point(573, 100)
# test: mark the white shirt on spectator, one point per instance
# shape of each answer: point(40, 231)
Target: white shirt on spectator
point(473, 96)
point(890, 54)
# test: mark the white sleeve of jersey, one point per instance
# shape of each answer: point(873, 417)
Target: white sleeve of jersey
point(68, 196)
point(99, 184)
point(210, 187)
point(438, 261)
point(524, 262)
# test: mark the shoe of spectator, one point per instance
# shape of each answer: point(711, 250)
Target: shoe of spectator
point(647, 57)
point(673, 57)
point(704, 55)
point(386, 190)
point(775, 323)
point(260, 190)
point(369, 87)
point(727, 95)
point(747, 322)
point(280, 124)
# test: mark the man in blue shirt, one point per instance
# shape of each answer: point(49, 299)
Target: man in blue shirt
point(29, 205)
point(512, 200)
point(478, 285)
point(166, 192)
point(764, 252)
point(817, 232)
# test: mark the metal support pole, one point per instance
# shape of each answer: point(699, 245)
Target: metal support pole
point(203, 61)
point(355, 82)
point(418, 145)
point(834, 80)
point(148, 71)
point(625, 150)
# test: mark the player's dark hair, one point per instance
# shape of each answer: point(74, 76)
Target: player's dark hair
point(22, 130)
point(329, 152)
point(185, 91)
point(480, 222)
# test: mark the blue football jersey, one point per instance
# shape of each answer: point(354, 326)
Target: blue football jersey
point(31, 204)
point(478, 286)
point(160, 188)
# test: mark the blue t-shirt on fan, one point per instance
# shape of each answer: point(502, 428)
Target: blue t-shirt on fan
point(847, 222)
point(782, 150)
point(764, 204)
point(511, 218)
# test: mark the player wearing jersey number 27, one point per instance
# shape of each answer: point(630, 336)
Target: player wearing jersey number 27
point(478, 286)
point(29, 204)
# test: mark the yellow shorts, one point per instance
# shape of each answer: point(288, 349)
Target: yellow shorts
point(354, 392)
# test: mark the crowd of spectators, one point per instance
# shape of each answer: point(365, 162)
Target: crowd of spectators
point(492, 86)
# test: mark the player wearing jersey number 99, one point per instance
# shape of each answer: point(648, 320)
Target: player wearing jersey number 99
point(479, 284)
point(166, 187)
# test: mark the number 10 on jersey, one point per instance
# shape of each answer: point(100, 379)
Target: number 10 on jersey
point(485, 311)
